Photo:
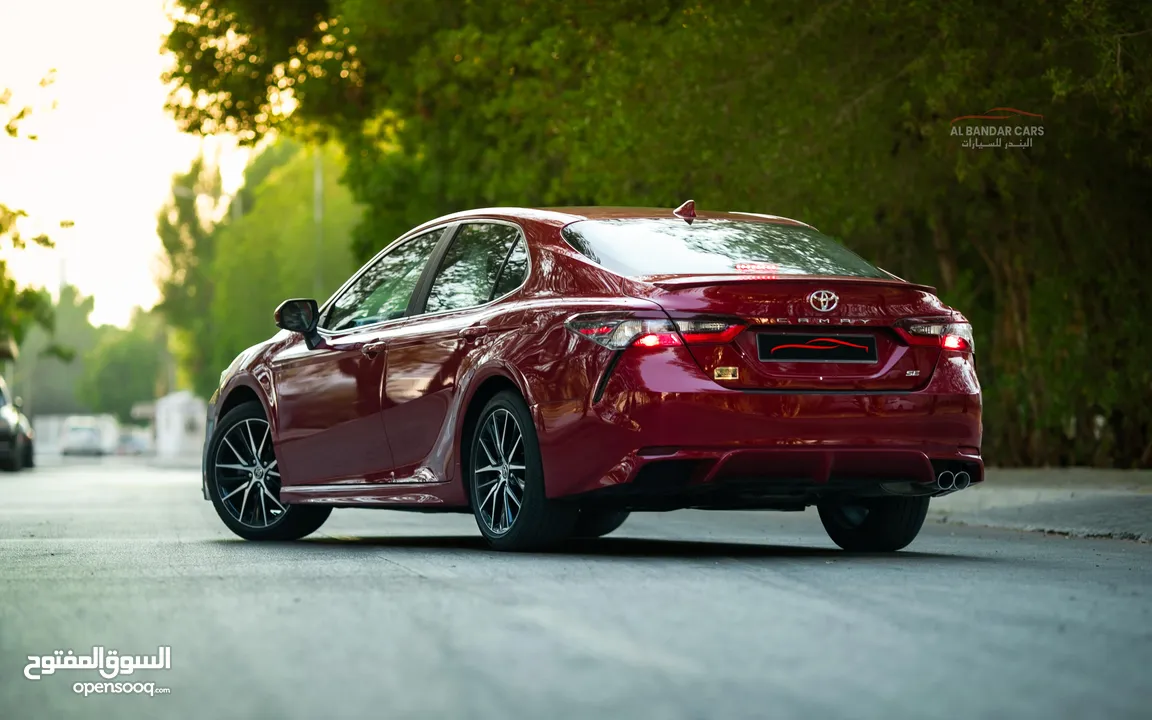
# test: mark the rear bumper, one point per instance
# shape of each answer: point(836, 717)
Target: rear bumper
point(661, 426)
point(780, 478)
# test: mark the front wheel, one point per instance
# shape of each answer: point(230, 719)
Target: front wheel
point(506, 480)
point(244, 481)
point(884, 524)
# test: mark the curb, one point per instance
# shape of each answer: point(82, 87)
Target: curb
point(1076, 502)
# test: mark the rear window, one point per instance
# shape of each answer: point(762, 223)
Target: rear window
point(652, 246)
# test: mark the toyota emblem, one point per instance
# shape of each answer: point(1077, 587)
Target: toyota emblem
point(824, 300)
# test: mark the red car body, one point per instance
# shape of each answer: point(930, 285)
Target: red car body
point(377, 417)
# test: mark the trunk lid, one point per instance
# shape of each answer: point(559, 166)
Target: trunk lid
point(805, 333)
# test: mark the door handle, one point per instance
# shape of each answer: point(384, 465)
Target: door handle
point(474, 332)
point(372, 349)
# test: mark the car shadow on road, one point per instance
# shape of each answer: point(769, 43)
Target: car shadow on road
point(628, 547)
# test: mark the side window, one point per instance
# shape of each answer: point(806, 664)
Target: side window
point(515, 271)
point(468, 273)
point(382, 292)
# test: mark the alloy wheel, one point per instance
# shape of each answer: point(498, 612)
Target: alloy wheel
point(499, 466)
point(246, 474)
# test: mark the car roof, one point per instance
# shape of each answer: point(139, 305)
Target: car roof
point(562, 216)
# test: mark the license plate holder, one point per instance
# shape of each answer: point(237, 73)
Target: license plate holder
point(816, 347)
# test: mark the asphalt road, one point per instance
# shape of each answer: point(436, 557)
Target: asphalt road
point(683, 615)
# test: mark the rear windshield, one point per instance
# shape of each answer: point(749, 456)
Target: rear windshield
point(638, 247)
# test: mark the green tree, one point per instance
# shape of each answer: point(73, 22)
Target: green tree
point(20, 308)
point(125, 367)
point(186, 233)
point(48, 382)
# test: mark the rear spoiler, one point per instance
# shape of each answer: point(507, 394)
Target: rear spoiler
point(672, 282)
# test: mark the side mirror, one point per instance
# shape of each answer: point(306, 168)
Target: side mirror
point(300, 315)
point(18, 402)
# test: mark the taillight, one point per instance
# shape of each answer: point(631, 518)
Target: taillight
point(949, 336)
point(618, 333)
point(710, 330)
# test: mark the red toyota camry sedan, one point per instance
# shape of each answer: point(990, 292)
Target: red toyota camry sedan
point(551, 371)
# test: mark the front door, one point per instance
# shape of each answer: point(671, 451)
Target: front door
point(328, 400)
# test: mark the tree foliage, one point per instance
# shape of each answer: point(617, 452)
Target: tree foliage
point(48, 383)
point(21, 309)
point(839, 113)
point(271, 253)
point(226, 278)
point(125, 367)
point(186, 234)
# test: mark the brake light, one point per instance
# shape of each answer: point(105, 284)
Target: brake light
point(650, 340)
point(949, 336)
point(764, 271)
point(954, 342)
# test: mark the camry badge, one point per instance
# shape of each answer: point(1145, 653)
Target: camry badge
point(824, 300)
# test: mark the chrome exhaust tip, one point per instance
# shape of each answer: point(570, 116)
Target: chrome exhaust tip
point(962, 480)
point(946, 480)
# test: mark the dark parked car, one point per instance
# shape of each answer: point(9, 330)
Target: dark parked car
point(16, 435)
point(551, 371)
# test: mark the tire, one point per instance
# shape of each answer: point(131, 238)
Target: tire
point(263, 522)
point(594, 523)
point(29, 456)
point(883, 524)
point(538, 522)
point(15, 460)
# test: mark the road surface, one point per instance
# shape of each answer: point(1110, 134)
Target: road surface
point(683, 615)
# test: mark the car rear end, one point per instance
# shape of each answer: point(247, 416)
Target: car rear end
point(775, 368)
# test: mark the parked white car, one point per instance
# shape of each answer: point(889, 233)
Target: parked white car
point(81, 440)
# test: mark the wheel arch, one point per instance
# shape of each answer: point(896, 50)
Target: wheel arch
point(494, 382)
point(239, 389)
point(238, 396)
point(244, 389)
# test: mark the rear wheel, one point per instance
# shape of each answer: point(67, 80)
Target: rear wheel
point(244, 481)
point(594, 523)
point(506, 480)
point(882, 524)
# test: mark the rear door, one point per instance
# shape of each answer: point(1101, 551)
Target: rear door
point(328, 399)
point(456, 317)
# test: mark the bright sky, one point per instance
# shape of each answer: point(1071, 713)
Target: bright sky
point(105, 156)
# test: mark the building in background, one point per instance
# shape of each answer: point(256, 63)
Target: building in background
point(180, 425)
